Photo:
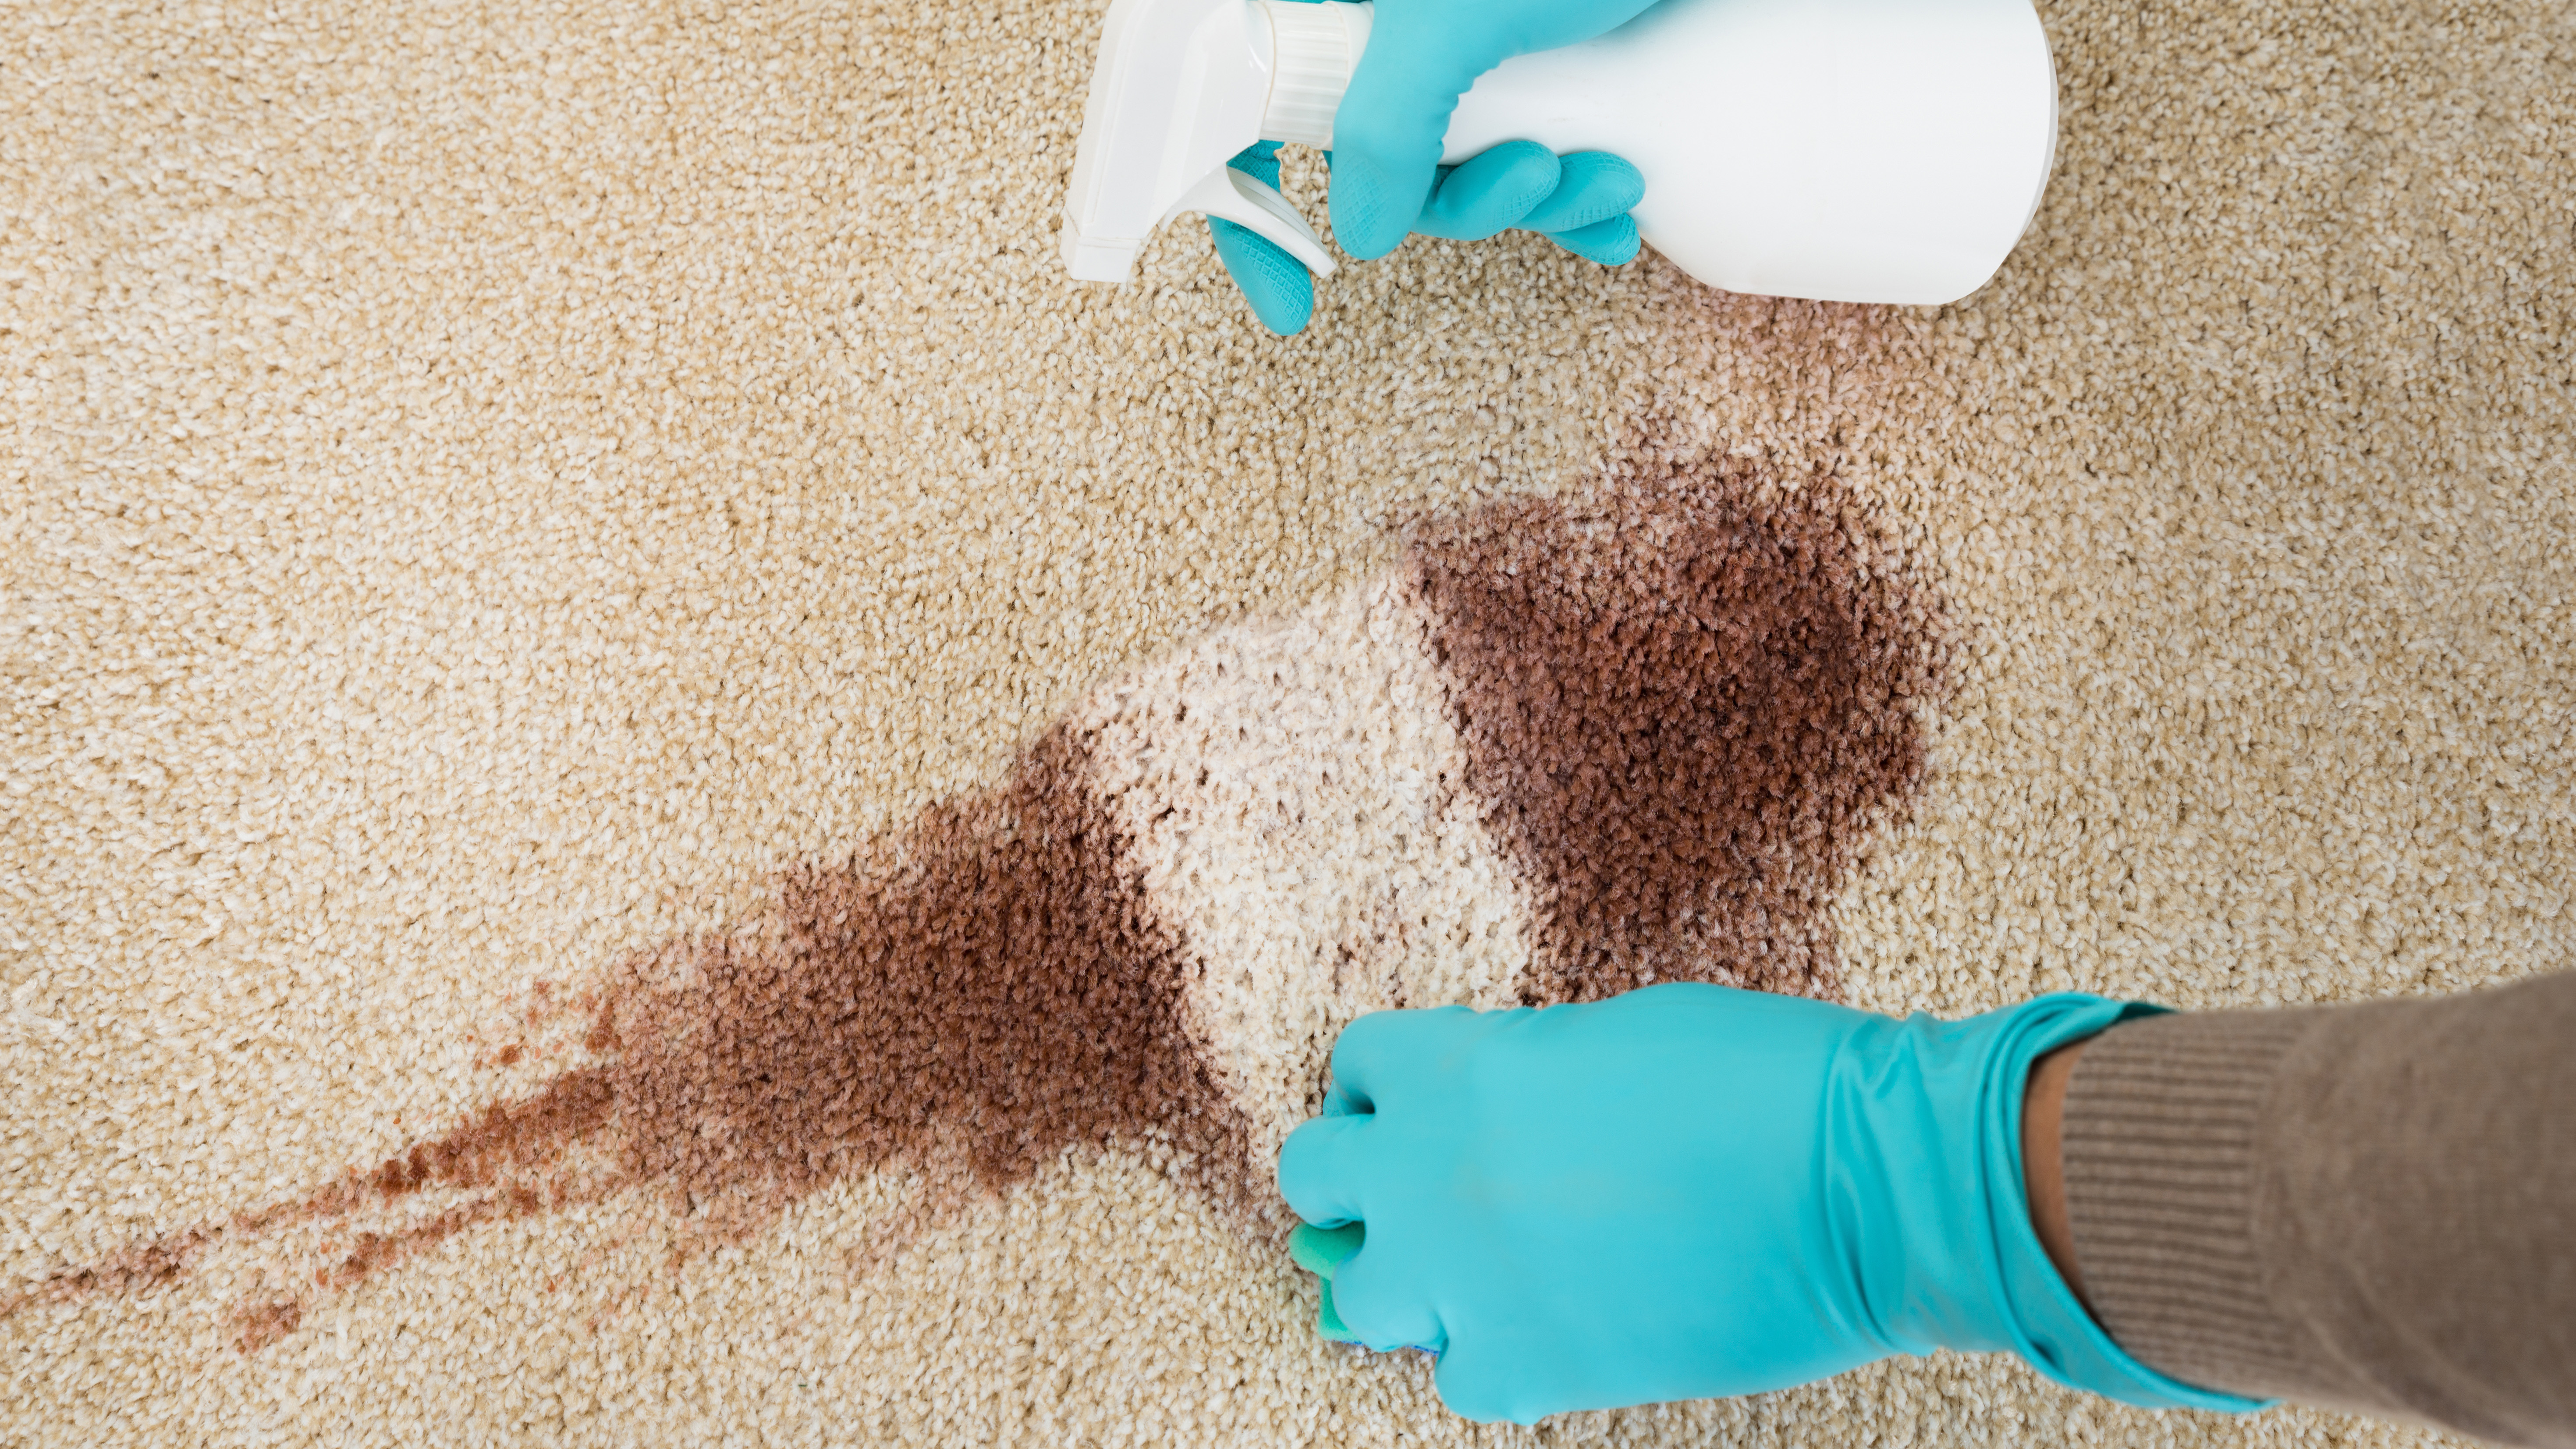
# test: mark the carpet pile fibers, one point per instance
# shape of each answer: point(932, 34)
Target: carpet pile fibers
point(658, 791)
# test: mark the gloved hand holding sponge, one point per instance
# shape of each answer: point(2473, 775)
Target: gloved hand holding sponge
point(1690, 1191)
point(1387, 181)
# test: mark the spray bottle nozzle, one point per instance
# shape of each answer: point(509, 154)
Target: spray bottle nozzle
point(1179, 88)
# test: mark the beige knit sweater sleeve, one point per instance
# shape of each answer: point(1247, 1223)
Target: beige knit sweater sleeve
point(2367, 1207)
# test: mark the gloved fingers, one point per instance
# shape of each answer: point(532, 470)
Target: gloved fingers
point(1379, 1054)
point(1380, 1308)
point(1373, 202)
point(1490, 191)
point(1321, 1251)
point(1324, 1170)
point(1273, 282)
point(1611, 243)
point(1486, 1392)
point(1342, 1100)
point(1260, 161)
point(1593, 186)
point(1387, 131)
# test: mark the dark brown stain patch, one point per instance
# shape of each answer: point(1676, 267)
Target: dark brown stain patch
point(1686, 699)
point(998, 988)
point(973, 998)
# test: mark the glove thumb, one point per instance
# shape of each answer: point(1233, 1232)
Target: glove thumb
point(1388, 130)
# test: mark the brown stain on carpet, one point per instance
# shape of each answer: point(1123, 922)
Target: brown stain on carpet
point(974, 997)
point(257, 1325)
point(999, 987)
point(1687, 698)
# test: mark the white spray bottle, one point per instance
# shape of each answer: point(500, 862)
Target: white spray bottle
point(1848, 150)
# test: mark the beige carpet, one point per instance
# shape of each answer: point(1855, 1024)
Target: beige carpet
point(658, 791)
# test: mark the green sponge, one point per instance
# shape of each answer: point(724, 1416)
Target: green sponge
point(1320, 1251)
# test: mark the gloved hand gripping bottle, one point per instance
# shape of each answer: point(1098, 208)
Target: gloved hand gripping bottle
point(1845, 150)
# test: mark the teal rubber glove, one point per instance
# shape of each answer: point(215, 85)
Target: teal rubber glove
point(1580, 202)
point(1404, 85)
point(1690, 1191)
point(1422, 56)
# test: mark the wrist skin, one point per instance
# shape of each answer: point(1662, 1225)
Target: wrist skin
point(2043, 1115)
point(2042, 1287)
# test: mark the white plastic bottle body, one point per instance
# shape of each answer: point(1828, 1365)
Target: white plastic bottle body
point(1847, 150)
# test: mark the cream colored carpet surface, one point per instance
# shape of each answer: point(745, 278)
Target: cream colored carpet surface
point(655, 790)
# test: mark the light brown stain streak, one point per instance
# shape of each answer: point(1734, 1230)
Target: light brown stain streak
point(257, 1325)
point(1687, 699)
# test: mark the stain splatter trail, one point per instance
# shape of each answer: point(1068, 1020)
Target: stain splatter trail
point(1685, 700)
point(981, 993)
point(258, 1325)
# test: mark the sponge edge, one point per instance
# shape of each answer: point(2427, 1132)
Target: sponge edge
point(1321, 1251)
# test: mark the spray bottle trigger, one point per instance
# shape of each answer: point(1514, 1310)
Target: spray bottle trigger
point(1246, 202)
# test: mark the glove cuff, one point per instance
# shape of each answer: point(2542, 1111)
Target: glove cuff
point(2045, 1322)
point(1925, 1147)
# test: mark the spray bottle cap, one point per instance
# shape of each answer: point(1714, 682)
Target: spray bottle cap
point(1179, 88)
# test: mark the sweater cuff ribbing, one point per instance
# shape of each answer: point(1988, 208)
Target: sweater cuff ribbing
point(2160, 1144)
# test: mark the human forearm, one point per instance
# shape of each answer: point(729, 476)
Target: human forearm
point(2369, 1207)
